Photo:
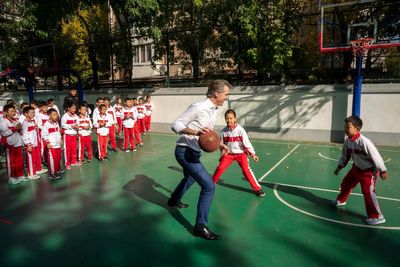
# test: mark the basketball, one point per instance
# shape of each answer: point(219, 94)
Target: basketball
point(209, 141)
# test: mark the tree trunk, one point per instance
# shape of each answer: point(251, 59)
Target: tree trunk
point(92, 53)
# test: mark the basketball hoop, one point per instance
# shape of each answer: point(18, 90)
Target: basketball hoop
point(360, 46)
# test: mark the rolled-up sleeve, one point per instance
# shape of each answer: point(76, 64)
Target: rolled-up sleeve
point(184, 119)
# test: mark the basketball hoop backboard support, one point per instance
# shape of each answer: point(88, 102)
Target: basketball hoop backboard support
point(342, 22)
point(346, 26)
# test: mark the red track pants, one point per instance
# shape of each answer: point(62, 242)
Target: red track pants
point(119, 122)
point(32, 160)
point(367, 180)
point(54, 160)
point(147, 121)
point(128, 138)
point(243, 162)
point(14, 161)
point(141, 125)
point(85, 142)
point(102, 146)
point(136, 131)
point(70, 151)
point(113, 141)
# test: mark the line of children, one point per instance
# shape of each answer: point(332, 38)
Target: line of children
point(41, 133)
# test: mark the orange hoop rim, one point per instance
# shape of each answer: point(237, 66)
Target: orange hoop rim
point(361, 46)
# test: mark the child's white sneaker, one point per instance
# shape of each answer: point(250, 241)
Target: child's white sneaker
point(13, 180)
point(375, 221)
point(41, 171)
point(337, 203)
point(33, 177)
point(23, 179)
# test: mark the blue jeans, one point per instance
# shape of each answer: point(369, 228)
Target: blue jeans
point(194, 171)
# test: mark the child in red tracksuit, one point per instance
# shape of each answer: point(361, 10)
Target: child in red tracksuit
point(85, 134)
point(69, 123)
point(42, 118)
point(31, 141)
point(51, 135)
point(129, 120)
point(235, 138)
point(111, 129)
point(149, 107)
point(102, 123)
point(118, 114)
point(367, 166)
point(10, 130)
point(141, 116)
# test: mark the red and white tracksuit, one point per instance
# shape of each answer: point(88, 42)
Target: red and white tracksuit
point(129, 121)
point(113, 141)
point(141, 119)
point(118, 115)
point(51, 134)
point(30, 139)
point(41, 120)
point(149, 107)
point(85, 137)
point(237, 140)
point(365, 170)
point(68, 121)
point(12, 141)
point(102, 132)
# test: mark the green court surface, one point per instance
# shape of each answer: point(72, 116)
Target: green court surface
point(115, 214)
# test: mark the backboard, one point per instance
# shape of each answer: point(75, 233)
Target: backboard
point(342, 22)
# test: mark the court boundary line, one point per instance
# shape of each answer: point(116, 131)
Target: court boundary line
point(328, 158)
point(256, 140)
point(326, 190)
point(328, 219)
point(278, 163)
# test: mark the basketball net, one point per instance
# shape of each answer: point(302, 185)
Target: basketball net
point(361, 46)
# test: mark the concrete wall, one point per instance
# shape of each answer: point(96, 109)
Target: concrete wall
point(309, 113)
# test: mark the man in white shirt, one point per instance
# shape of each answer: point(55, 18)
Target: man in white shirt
point(197, 119)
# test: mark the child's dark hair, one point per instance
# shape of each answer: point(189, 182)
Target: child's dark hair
point(106, 99)
point(7, 107)
point(83, 106)
point(51, 111)
point(24, 105)
point(70, 104)
point(356, 121)
point(85, 103)
point(230, 111)
point(10, 102)
point(102, 105)
point(99, 98)
point(42, 103)
point(27, 109)
point(135, 98)
point(50, 100)
point(34, 102)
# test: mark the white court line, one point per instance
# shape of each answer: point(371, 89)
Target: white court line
point(330, 220)
point(327, 190)
point(277, 164)
point(310, 144)
point(280, 143)
point(328, 158)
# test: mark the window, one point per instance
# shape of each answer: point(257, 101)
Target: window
point(148, 52)
point(142, 53)
point(136, 54)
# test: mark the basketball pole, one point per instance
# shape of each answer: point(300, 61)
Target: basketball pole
point(357, 88)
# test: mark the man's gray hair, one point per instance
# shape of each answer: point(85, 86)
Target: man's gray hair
point(217, 86)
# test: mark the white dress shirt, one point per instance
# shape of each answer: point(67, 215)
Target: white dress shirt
point(198, 116)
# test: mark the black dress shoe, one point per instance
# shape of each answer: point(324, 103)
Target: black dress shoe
point(206, 233)
point(178, 205)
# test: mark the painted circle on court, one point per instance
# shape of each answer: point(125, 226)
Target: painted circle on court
point(276, 193)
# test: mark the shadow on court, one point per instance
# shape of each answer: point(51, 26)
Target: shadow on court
point(146, 188)
point(307, 195)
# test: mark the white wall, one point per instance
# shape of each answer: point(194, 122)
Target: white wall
point(312, 113)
